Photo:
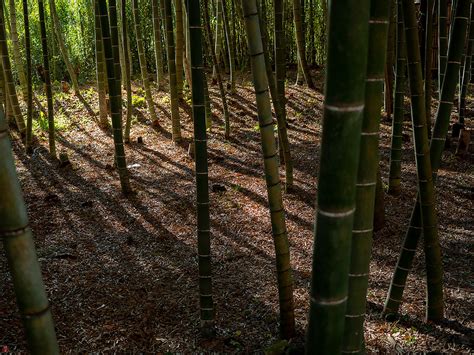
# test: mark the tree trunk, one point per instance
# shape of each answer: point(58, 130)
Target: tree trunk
point(115, 97)
point(363, 227)
point(300, 43)
point(29, 85)
point(100, 71)
point(157, 42)
point(62, 47)
point(18, 244)
point(342, 123)
point(202, 183)
point(394, 181)
point(280, 235)
point(407, 254)
point(142, 60)
point(9, 82)
point(175, 121)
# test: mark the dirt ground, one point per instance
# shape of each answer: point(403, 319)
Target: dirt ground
point(121, 273)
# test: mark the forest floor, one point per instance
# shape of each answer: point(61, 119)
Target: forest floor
point(121, 273)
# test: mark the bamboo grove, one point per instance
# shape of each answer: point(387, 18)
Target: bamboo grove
point(376, 55)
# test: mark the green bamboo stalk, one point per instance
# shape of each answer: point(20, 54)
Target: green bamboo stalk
point(285, 153)
point(47, 80)
point(466, 71)
point(63, 48)
point(202, 183)
point(442, 41)
point(179, 53)
point(128, 74)
point(115, 97)
point(18, 244)
point(16, 49)
point(175, 121)
point(362, 230)
point(343, 114)
point(280, 235)
point(9, 81)
point(428, 64)
point(29, 84)
point(217, 71)
point(405, 261)
point(426, 189)
point(142, 60)
point(300, 43)
point(280, 77)
point(230, 48)
point(157, 42)
point(100, 70)
point(394, 184)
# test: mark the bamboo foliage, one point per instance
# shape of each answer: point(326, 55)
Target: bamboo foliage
point(394, 186)
point(12, 97)
point(342, 122)
point(17, 239)
point(202, 183)
point(405, 260)
point(47, 81)
point(366, 179)
point(280, 235)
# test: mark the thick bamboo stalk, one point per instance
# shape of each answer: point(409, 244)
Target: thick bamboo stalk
point(100, 70)
point(466, 72)
point(442, 41)
point(157, 42)
point(394, 185)
point(16, 49)
point(407, 254)
point(426, 189)
point(63, 48)
point(128, 76)
point(285, 153)
point(175, 121)
point(342, 123)
point(362, 230)
point(9, 82)
point(280, 235)
point(217, 71)
point(428, 64)
point(202, 183)
point(115, 97)
point(300, 43)
point(230, 48)
point(47, 80)
point(179, 48)
point(29, 84)
point(18, 244)
point(142, 60)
